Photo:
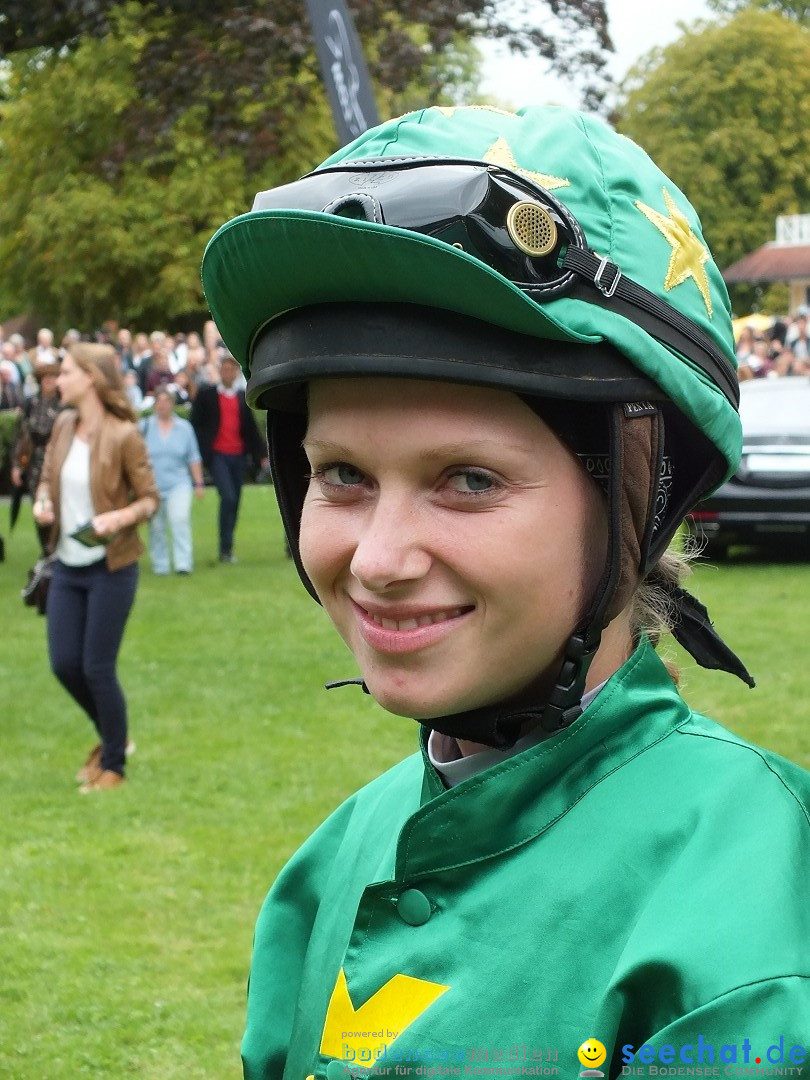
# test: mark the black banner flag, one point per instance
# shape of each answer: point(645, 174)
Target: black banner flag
point(343, 68)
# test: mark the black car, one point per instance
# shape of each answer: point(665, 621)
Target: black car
point(767, 501)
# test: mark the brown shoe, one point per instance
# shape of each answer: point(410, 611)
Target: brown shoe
point(91, 767)
point(105, 780)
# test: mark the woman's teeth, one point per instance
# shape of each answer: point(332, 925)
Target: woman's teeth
point(421, 620)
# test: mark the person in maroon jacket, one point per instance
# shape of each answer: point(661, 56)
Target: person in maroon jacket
point(226, 432)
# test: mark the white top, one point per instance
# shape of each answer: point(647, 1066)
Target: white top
point(446, 757)
point(76, 507)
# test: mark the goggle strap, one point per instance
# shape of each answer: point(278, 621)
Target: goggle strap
point(615, 291)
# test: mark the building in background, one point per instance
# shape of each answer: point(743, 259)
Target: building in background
point(787, 258)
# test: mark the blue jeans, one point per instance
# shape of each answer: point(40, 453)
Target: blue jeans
point(173, 513)
point(88, 607)
point(228, 474)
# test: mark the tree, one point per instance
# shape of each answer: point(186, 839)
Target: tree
point(725, 111)
point(231, 53)
point(131, 130)
point(89, 229)
point(794, 9)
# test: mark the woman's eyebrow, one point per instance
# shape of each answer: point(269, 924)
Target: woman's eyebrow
point(464, 449)
point(326, 446)
point(467, 448)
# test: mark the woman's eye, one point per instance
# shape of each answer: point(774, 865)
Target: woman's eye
point(340, 475)
point(471, 481)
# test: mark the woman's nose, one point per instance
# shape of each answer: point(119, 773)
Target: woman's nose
point(391, 546)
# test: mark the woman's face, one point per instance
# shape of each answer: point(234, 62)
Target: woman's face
point(164, 406)
point(74, 382)
point(451, 537)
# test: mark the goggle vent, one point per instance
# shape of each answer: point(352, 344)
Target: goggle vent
point(531, 228)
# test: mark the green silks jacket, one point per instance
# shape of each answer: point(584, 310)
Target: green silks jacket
point(640, 878)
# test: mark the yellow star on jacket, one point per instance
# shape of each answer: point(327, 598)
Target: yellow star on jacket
point(688, 254)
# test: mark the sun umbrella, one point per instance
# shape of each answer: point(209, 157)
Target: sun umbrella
point(757, 322)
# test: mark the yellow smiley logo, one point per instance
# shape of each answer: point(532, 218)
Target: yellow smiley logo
point(592, 1053)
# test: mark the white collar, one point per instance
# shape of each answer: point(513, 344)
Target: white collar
point(453, 767)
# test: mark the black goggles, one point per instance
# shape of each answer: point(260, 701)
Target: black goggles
point(508, 222)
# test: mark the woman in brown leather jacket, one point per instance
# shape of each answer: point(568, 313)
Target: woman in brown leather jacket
point(96, 487)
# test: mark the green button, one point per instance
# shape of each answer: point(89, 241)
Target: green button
point(336, 1070)
point(413, 907)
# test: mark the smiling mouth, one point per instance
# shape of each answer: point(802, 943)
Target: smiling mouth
point(418, 620)
point(415, 622)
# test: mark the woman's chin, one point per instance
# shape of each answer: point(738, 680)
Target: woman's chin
point(422, 703)
point(400, 702)
point(415, 705)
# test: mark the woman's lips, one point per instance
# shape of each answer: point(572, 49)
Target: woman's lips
point(409, 631)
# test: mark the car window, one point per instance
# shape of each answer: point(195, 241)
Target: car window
point(776, 407)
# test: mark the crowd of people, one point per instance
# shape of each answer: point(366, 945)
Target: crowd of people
point(783, 348)
point(158, 371)
point(182, 362)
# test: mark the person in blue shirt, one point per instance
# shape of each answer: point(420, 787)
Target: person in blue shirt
point(176, 461)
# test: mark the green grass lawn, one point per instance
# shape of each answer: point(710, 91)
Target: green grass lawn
point(126, 918)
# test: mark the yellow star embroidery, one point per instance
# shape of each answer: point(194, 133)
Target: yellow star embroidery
point(500, 153)
point(688, 254)
point(448, 110)
point(394, 1007)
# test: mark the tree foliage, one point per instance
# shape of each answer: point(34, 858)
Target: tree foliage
point(93, 224)
point(794, 9)
point(231, 54)
point(725, 111)
point(129, 131)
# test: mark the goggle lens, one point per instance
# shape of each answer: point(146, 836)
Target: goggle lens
point(506, 221)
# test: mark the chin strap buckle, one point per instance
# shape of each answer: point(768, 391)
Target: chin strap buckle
point(565, 700)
